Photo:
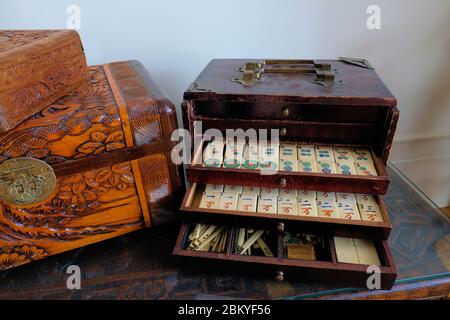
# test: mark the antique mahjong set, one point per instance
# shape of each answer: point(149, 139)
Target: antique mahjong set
point(85, 155)
point(307, 205)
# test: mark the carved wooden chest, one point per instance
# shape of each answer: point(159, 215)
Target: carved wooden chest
point(107, 147)
point(308, 203)
point(36, 69)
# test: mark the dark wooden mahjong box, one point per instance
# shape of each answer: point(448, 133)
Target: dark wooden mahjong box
point(337, 103)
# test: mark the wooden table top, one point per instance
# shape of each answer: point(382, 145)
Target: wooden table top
point(140, 265)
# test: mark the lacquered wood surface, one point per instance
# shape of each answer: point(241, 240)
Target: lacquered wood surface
point(353, 86)
point(140, 265)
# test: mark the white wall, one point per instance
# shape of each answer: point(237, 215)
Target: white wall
point(175, 40)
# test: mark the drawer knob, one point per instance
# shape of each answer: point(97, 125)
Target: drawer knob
point(280, 227)
point(283, 132)
point(279, 276)
point(282, 183)
point(285, 112)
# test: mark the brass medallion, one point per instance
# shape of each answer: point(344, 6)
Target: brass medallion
point(26, 181)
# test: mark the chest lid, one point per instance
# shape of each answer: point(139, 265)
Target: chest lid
point(120, 115)
point(340, 82)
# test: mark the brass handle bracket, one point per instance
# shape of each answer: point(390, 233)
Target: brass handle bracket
point(253, 71)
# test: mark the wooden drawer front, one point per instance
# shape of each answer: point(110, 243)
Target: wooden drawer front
point(290, 111)
point(191, 211)
point(324, 269)
point(197, 173)
point(319, 132)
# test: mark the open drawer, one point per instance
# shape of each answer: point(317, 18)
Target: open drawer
point(379, 229)
point(280, 259)
point(197, 172)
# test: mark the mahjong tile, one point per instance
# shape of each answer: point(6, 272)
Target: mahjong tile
point(269, 191)
point(233, 189)
point(251, 190)
point(287, 205)
point(228, 201)
point(248, 202)
point(307, 208)
point(267, 204)
point(324, 154)
point(326, 167)
point(214, 188)
point(348, 210)
point(325, 196)
point(210, 201)
point(345, 168)
point(251, 156)
point(306, 195)
point(327, 209)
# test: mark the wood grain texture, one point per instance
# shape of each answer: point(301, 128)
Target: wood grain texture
point(358, 109)
point(140, 266)
point(353, 86)
point(97, 197)
point(36, 69)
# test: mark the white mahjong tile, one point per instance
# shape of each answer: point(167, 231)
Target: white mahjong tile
point(343, 197)
point(248, 202)
point(327, 209)
point(288, 157)
point(365, 198)
point(307, 195)
point(228, 201)
point(214, 188)
point(366, 252)
point(269, 191)
point(307, 166)
point(213, 154)
point(370, 212)
point(251, 156)
point(306, 158)
point(307, 208)
point(365, 169)
point(345, 168)
point(251, 190)
point(267, 204)
point(326, 167)
point(287, 205)
point(306, 151)
point(345, 153)
point(324, 154)
point(348, 210)
point(210, 201)
point(345, 250)
point(288, 192)
point(362, 155)
point(234, 154)
point(269, 156)
point(232, 189)
point(325, 196)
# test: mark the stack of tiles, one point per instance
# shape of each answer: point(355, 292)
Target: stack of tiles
point(345, 206)
point(289, 157)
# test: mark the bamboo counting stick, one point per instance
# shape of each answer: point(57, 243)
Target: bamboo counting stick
point(208, 238)
point(247, 244)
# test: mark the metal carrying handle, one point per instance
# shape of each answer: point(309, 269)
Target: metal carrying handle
point(253, 71)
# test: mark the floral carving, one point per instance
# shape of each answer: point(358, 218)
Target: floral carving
point(91, 113)
point(101, 142)
point(14, 256)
